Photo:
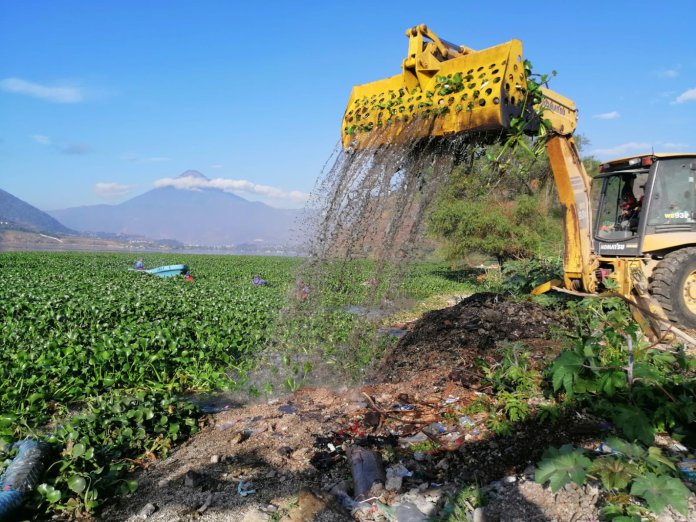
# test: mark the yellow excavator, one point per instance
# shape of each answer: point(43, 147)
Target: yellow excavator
point(635, 238)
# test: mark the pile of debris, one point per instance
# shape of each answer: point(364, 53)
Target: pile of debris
point(400, 449)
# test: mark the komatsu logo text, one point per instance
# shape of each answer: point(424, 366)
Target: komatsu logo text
point(613, 246)
point(553, 106)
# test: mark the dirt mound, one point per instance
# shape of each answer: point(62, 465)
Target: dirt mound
point(458, 336)
point(415, 418)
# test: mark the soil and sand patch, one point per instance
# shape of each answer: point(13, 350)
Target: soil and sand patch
point(286, 459)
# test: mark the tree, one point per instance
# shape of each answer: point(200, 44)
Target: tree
point(502, 204)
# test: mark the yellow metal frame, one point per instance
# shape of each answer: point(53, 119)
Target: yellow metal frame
point(573, 186)
point(491, 90)
point(448, 89)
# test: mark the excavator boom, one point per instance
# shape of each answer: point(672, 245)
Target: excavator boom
point(446, 89)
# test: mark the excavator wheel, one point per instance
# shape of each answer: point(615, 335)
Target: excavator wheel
point(673, 284)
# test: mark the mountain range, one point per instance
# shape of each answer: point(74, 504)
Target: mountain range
point(20, 215)
point(201, 217)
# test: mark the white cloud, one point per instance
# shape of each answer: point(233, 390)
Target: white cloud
point(111, 190)
point(40, 138)
point(689, 95)
point(607, 115)
point(669, 73)
point(624, 148)
point(233, 185)
point(44, 92)
point(75, 149)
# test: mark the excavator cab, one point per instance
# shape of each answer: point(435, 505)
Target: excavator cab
point(643, 202)
point(618, 211)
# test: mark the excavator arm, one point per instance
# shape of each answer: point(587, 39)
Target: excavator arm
point(445, 89)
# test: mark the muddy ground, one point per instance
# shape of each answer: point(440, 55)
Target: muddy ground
point(287, 459)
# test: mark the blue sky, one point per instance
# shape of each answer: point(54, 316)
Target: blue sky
point(101, 100)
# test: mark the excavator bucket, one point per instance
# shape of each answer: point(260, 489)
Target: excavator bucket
point(445, 89)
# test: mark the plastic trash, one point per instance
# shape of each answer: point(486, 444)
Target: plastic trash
point(436, 428)
point(415, 439)
point(366, 468)
point(21, 476)
point(688, 469)
point(466, 421)
point(244, 489)
point(605, 448)
point(398, 470)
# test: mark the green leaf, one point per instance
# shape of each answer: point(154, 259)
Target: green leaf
point(77, 484)
point(49, 493)
point(35, 397)
point(614, 472)
point(565, 371)
point(7, 419)
point(662, 491)
point(632, 451)
point(78, 450)
point(634, 423)
point(131, 485)
point(658, 461)
point(562, 466)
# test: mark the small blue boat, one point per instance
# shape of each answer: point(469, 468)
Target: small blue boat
point(164, 271)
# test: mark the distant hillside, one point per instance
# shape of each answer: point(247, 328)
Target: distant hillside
point(15, 213)
point(207, 217)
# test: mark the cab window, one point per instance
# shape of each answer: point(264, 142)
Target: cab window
point(673, 199)
point(621, 205)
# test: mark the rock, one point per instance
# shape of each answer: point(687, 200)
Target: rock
point(408, 512)
point(147, 510)
point(394, 483)
point(240, 436)
point(424, 499)
point(443, 464)
point(255, 515)
point(479, 515)
point(214, 459)
point(395, 477)
point(419, 456)
point(285, 451)
point(311, 504)
point(373, 419)
point(193, 479)
point(288, 409)
point(300, 454)
point(340, 493)
point(509, 479)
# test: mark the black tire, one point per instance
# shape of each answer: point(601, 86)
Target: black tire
point(673, 285)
